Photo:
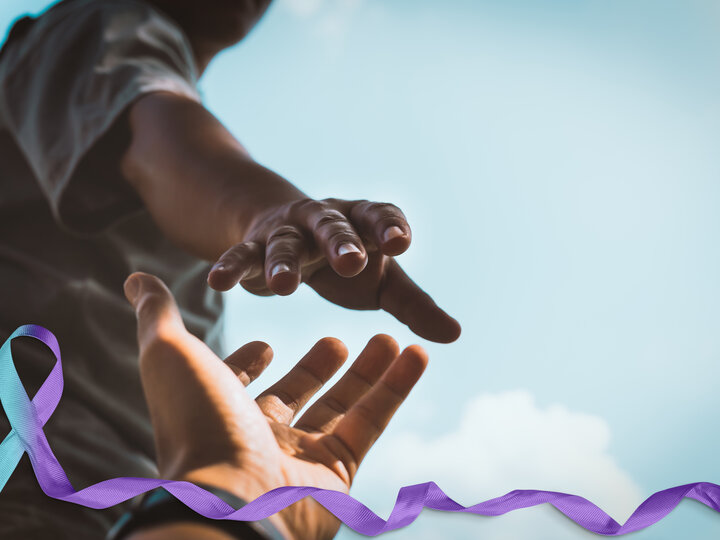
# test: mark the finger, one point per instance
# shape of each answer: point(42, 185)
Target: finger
point(409, 304)
point(366, 420)
point(286, 397)
point(384, 224)
point(284, 250)
point(335, 236)
point(372, 362)
point(155, 308)
point(240, 262)
point(250, 360)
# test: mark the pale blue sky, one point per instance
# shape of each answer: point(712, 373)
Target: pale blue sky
point(558, 163)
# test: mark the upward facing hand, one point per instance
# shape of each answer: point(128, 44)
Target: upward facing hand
point(342, 249)
point(208, 430)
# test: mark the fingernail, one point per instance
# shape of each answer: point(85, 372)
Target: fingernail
point(132, 288)
point(348, 248)
point(392, 232)
point(218, 266)
point(278, 268)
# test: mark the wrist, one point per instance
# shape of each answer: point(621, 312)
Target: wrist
point(158, 515)
point(264, 194)
point(238, 482)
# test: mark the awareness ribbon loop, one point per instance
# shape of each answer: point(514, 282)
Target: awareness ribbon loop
point(27, 419)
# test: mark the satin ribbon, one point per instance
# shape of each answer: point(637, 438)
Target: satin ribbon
point(27, 419)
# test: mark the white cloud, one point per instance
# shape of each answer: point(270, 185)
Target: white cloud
point(503, 442)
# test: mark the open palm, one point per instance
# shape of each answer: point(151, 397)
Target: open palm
point(209, 430)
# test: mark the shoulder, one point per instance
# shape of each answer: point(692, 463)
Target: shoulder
point(93, 26)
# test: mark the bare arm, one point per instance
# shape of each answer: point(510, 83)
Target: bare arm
point(208, 195)
point(196, 179)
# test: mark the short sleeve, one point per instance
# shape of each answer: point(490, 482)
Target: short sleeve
point(69, 80)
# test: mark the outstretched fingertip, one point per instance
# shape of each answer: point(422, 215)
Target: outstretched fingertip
point(155, 309)
point(440, 328)
point(385, 344)
point(349, 261)
point(406, 370)
point(330, 347)
point(221, 278)
point(283, 280)
point(131, 287)
point(416, 355)
point(451, 331)
point(395, 241)
point(139, 284)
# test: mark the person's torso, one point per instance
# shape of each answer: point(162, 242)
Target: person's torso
point(73, 286)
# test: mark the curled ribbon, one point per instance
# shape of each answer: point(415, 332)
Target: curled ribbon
point(27, 419)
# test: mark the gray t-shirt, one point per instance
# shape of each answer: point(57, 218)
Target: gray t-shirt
point(71, 230)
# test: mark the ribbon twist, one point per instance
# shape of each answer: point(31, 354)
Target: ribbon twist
point(27, 419)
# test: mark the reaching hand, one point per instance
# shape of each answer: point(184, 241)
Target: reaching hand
point(342, 249)
point(208, 429)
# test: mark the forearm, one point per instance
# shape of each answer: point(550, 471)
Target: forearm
point(197, 181)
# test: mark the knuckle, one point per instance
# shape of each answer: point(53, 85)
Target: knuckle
point(285, 234)
point(386, 215)
point(280, 257)
point(371, 211)
point(305, 207)
point(239, 252)
point(286, 245)
point(278, 404)
point(360, 206)
point(342, 236)
point(370, 417)
point(331, 219)
point(334, 405)
point(384, 208)
point(337, 204)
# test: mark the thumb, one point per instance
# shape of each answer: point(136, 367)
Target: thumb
point(155, 308)
point(409, 304)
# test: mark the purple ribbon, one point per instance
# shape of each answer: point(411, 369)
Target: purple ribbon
point(27, 419)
